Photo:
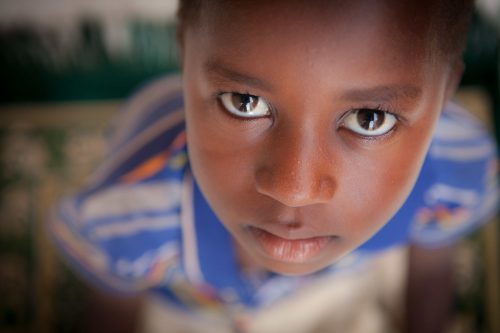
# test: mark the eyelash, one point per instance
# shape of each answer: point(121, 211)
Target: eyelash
point(217, 98)
point(378, 107)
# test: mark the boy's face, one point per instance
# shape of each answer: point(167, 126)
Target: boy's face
point(308, 122)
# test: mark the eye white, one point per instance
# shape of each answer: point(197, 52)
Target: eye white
point(368, 122)
point(245, 105)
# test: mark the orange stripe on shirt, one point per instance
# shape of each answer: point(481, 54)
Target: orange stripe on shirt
point(154, 164)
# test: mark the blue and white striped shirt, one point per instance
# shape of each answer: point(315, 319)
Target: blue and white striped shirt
point(142, 223)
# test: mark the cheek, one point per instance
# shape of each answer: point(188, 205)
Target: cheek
point(371, 195)
point(222, 160)
point(378, 185)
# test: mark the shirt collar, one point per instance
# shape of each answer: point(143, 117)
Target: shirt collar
point(209, 254)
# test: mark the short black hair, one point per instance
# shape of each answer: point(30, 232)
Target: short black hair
point(187, 13)
point(449, 29)
point(451, 25)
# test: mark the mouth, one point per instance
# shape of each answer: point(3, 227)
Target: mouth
point(290, 250)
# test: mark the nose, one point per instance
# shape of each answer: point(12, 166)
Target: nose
point(296, 169)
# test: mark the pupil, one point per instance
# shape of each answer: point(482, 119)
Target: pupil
point(245, 103)
point(370, 119)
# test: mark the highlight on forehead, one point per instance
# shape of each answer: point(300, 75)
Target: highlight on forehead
point(448, 24)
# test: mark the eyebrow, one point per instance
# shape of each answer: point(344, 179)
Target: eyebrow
point(384, 93)
point(226, 73)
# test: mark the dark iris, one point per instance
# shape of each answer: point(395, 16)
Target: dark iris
point(244, 102)
point(370, 119)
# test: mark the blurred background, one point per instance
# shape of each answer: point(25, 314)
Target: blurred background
point(65, 68)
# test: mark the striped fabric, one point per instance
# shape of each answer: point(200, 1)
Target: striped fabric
point(143, 224)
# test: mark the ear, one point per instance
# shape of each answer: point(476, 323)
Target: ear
point(456, 71)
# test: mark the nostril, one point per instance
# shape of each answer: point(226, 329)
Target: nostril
point(326, 188)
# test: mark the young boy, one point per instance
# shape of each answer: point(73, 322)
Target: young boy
point(301, 132)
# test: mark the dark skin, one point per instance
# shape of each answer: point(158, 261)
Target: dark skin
point(299, 134)
point(112, 313)
point(429, 292)
point(318, 160)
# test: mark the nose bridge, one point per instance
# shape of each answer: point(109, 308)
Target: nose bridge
point(296, 169)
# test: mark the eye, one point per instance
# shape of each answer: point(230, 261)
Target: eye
point(245, 105)
point(368, 122)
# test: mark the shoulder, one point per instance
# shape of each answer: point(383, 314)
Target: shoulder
point(462, 154)
point(144, 134)
point(154, 101)
point(460, 173)
point(123, 230)
point(460, 137)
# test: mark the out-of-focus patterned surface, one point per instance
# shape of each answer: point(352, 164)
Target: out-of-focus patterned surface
point(477, 260)
point(48, 148)
point(43, 154)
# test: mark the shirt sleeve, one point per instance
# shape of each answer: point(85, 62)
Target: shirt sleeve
point(462, 190)
point(122, 231)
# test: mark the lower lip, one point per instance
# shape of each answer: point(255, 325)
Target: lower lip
point(290, 250)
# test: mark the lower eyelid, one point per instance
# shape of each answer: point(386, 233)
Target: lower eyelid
point(373, 139)
point(236, 115)
point(377, 138)
point(234, 119)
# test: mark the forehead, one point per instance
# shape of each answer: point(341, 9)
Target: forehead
point(392, 32)
point(278, 11)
